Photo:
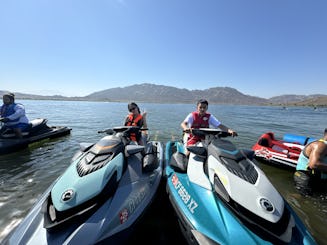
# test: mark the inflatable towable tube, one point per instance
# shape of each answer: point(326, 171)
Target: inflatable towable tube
point(292, 138)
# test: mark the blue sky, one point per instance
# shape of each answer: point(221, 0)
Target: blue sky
point(263, 48)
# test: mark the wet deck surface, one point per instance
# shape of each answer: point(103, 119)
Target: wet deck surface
point(159, 225)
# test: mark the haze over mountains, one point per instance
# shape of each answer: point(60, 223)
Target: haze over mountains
point(153, 93)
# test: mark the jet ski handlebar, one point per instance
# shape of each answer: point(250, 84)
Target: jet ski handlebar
point(210, 131)
point(124, 129)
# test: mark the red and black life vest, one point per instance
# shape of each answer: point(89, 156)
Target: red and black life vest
point(198, 122)
point(137, 121)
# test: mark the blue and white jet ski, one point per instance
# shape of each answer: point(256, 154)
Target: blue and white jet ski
point(100, 197)
point(221, 196)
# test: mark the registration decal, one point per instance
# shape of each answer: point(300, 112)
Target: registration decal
point(123, 216)
point(190, 203)
point(132, 203)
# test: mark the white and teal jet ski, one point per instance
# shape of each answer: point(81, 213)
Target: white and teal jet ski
point(100, 197)
point(222, 197)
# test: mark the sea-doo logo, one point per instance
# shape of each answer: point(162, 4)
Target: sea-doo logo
point(266, 205)
point(67, 195)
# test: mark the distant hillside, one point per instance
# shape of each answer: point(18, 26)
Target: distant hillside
point(166, 94)
point(292, 98)
point(316, 101)
point(40, 97)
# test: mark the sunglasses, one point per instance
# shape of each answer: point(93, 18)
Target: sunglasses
point(132, 109)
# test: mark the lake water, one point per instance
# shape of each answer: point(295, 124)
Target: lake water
point(25, 175)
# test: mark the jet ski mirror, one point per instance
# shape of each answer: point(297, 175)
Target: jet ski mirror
point(178, 162)
point(133, 149)
point(107, 131)
point(85, 146)
point(198, 150)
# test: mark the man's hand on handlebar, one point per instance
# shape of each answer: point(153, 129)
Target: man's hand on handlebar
point(188, 130)
point(232, 132)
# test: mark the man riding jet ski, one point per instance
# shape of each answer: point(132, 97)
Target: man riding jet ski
point(221, 197)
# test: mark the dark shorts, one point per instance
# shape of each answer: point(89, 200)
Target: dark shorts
point(303, 182)
point(307, 183)
point(22, 126)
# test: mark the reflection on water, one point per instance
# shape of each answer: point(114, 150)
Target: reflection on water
point(25, 175)
point(312, 210)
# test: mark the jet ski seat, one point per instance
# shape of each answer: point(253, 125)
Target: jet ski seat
point(150, 161)
point(178, 162)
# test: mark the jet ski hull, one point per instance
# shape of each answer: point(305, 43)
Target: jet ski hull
point(40, 132)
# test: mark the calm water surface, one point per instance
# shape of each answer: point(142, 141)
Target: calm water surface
point(25, 175)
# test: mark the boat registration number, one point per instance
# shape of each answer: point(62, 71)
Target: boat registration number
point(190, 203)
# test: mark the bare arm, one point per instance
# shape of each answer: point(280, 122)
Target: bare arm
point(223, 127)
point(226, 129)
point(125, 120)
point(317, 155)
point(184, 125)
point(145, 125)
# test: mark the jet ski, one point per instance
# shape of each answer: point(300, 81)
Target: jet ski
point(221, 196)
point(100, 197)
point(282, 152)
point(38, 130)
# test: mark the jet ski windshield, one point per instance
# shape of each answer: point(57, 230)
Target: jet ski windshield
point(107, 144)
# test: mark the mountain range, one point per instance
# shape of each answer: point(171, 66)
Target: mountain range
point(153, 93)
